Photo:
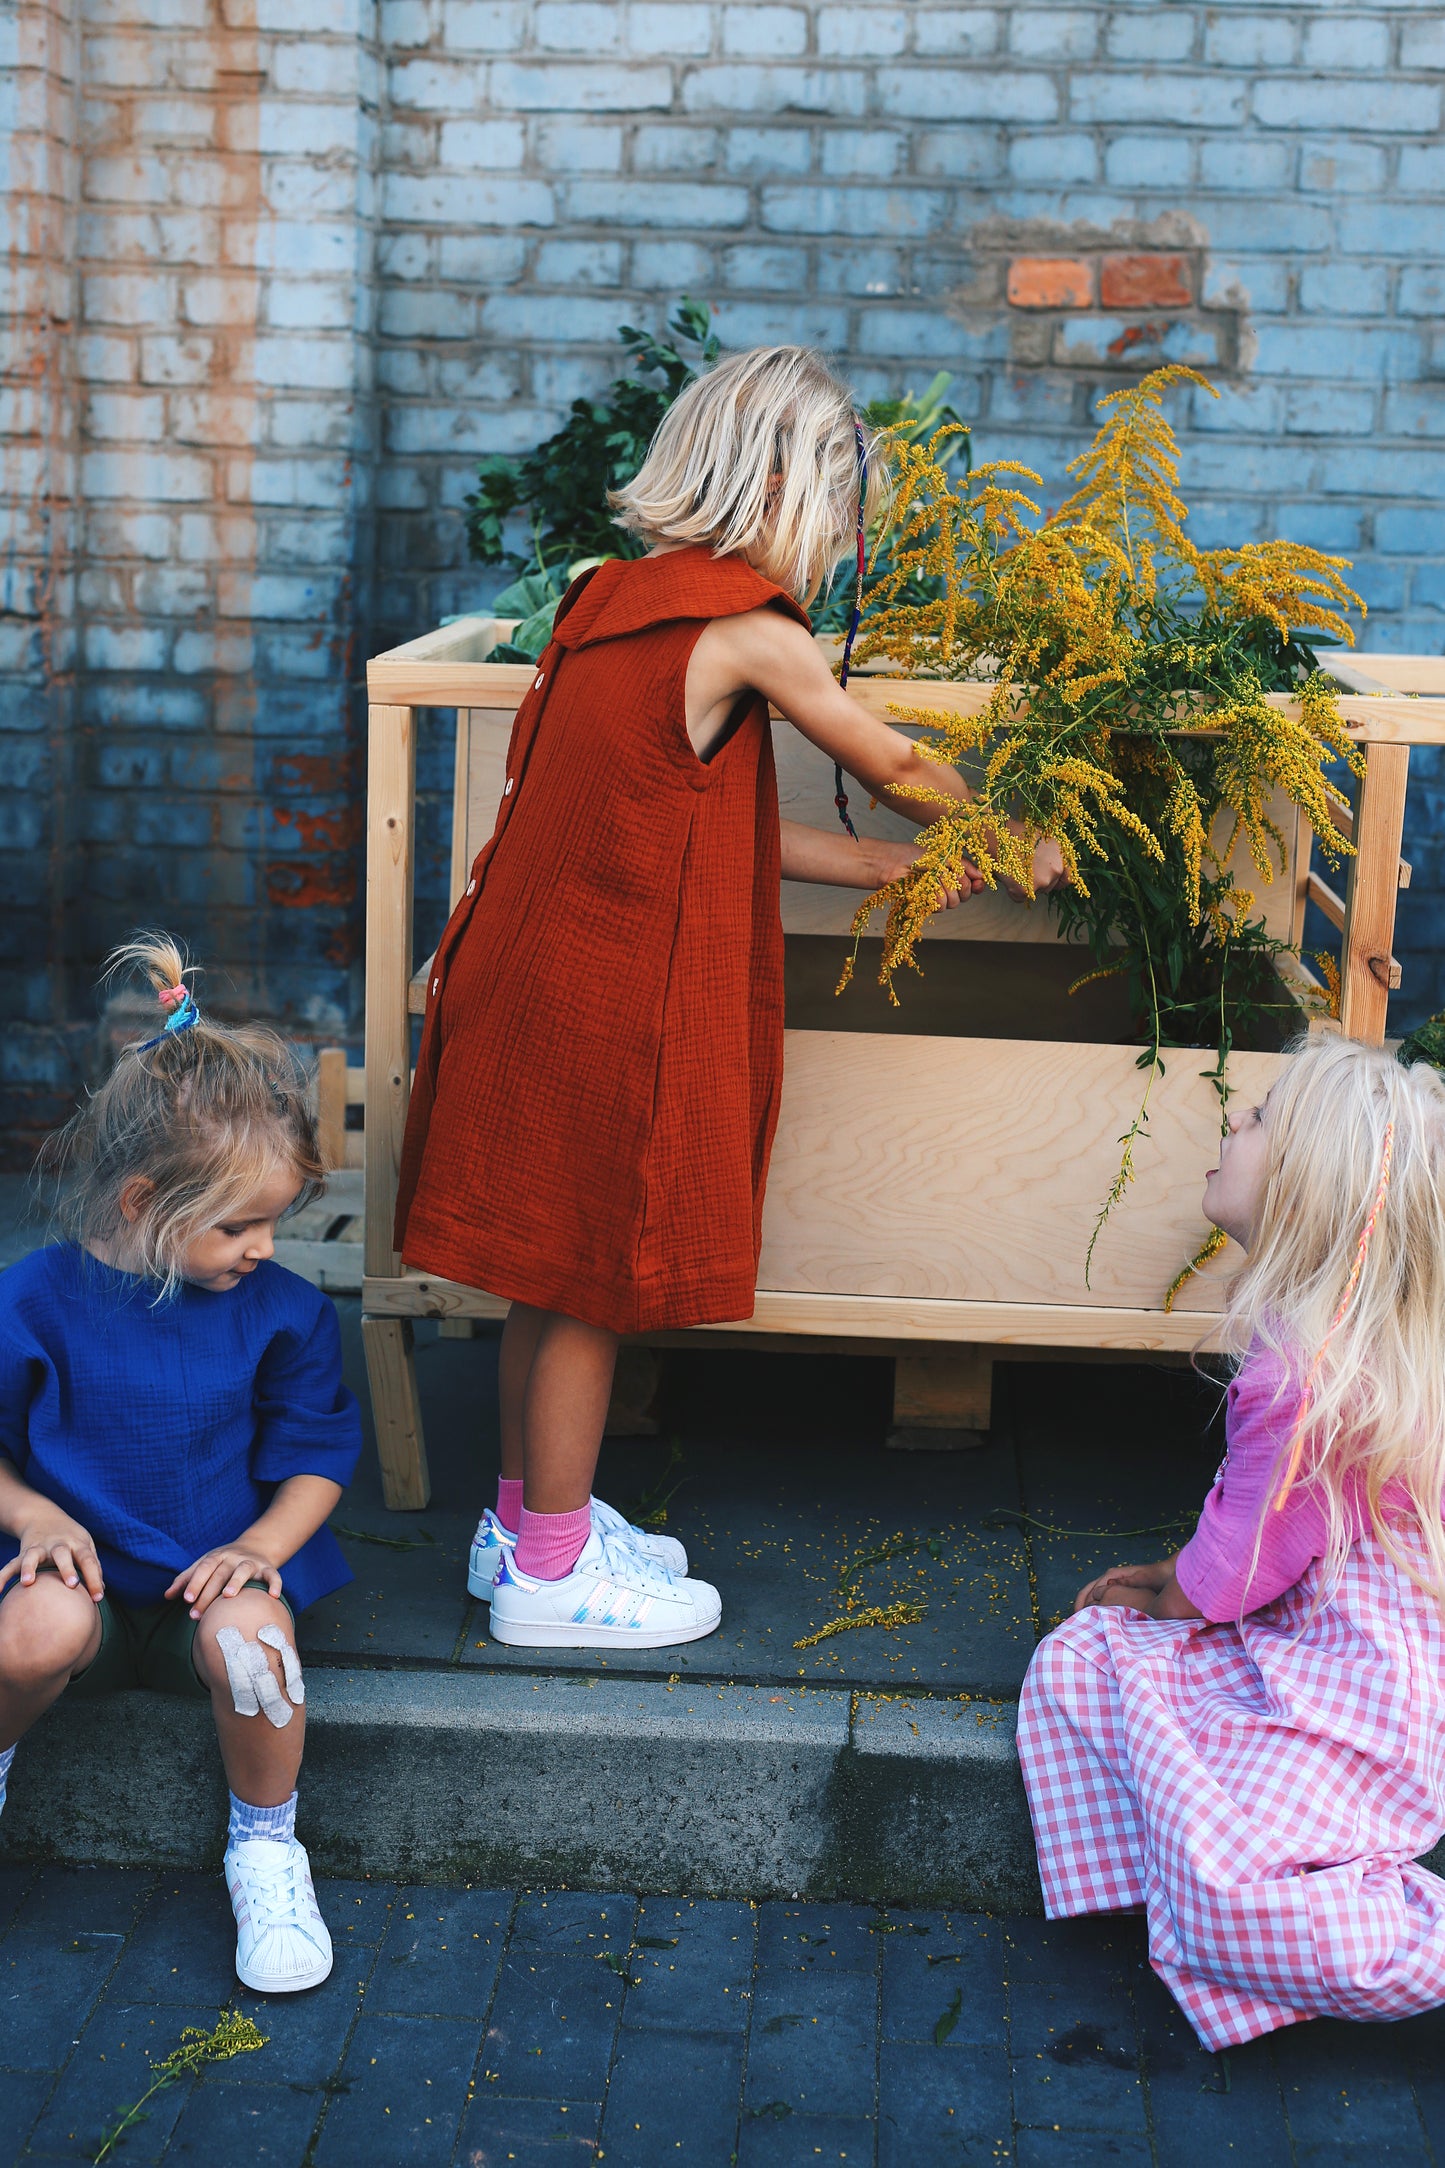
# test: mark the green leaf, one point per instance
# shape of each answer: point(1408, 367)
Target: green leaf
point(948, 2020)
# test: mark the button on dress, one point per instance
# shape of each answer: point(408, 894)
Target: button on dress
point(598, 1081)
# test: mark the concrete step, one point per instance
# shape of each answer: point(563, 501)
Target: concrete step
point(875, 1764)
point(586, 1782)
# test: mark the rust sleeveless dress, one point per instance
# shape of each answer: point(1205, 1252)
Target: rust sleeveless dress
point(598, 1081)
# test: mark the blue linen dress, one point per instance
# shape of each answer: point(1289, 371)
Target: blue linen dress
point(164, 1427)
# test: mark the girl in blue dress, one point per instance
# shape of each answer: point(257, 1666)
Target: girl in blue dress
point(174, 1432)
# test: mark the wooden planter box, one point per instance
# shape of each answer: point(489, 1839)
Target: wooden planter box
point(938, 1168)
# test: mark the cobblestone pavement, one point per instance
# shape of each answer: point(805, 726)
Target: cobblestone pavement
point(479, 2027)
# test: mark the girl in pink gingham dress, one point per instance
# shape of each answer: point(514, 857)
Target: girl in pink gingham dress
point(1247, 1740)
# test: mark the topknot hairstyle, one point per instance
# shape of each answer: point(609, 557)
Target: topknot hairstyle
point(198, 1117)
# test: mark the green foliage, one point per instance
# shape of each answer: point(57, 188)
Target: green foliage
point(1426, 1043)
point(561, 488)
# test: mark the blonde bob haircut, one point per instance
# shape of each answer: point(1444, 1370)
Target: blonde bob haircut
point(1376, 1416)
point(759, 458)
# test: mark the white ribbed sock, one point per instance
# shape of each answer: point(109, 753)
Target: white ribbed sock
point(274, 1825)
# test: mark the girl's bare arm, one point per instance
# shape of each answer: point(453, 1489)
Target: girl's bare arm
point(843, 861)
point(765, 651)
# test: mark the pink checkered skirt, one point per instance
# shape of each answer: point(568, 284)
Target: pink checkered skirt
point(1262, 1791)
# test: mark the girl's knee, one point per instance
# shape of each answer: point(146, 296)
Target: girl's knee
point(248, 1612)
point(45, 1631)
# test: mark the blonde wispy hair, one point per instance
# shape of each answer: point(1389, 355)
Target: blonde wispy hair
point(759, 458)
point(1375, 1418)
point(193, 1125)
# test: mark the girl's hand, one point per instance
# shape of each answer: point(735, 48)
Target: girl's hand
point(52, 1537)
point(223, 1572)
point(894, 860)
point(1150, 1579)
point(1048, 869)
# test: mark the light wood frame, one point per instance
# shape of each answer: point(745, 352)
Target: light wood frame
point(900, 1160)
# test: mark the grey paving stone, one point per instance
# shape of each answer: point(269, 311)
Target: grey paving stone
point(183, 1948)
point(357, 1913)
point(671, 2096)
point(443, 1952)
point(47, 1990)
point(942, 2107)
point(1347, 2085)
point(305, 2035)
point(109, 2071)
point(86, 1900)
point(553, 2025)
point(955, 1955)
point(25, 2093)
point(817, 1937)
point(496, 2129)
point(800, 2141)
point(1075, 2054)
point(1207, 2103)
point(1086, 2149)
point(813, 2042)
point(404, 2088)
point(15, 1879)
point(230, 2126)
point(702, 1981)
point(574, 1920)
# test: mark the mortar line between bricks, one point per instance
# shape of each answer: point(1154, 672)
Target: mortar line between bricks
point(471, 2094)
point(327, 2095)
point(752, 2001)
point(880, 1943)
point(1146, 2093)
point(99, 1997)
point(1289, 2136)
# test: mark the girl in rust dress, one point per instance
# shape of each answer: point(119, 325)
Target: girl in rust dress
point(599, 1073)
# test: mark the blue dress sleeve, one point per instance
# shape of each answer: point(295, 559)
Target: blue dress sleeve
point(307, 1420)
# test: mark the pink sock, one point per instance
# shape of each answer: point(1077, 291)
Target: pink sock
point(550, 1544)
point(509, 1500)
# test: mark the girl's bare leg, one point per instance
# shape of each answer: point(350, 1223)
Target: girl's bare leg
point(520, 1335)
point(564, 1411)
point(47, 1633)
point(262, 1763)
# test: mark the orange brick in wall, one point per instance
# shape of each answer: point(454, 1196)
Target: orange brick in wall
point(1050, 282)
point(1144, 282)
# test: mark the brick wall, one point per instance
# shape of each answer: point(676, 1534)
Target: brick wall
point(315, 259)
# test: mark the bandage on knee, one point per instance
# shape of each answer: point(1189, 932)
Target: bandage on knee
point(254, 1691)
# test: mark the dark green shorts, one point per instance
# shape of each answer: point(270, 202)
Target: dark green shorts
point(150, 1644)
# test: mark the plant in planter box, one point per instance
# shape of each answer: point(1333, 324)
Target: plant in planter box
point(1105, 630)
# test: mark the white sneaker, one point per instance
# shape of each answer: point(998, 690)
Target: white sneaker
point(491, 1539)
point(281, 1939)
point(611, 1599)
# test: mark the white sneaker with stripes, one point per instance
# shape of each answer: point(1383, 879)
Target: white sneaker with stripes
point(281, 1941)
point(612, 1599)
point(491, 1539)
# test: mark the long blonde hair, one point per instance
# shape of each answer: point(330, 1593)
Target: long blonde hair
point(759, 457)
point(1350, 1133)
point(199, 1119)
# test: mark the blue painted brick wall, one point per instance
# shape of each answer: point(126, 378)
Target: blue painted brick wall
point(280, 270)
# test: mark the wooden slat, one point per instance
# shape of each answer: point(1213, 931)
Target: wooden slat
point(1333, 906)
point(399, 678)
point(853, 1317)
point(1406, 673)
point(1365, 964)
point(400, 1441)
point(390, 855)
point(331, 1105)
point(1344, 820)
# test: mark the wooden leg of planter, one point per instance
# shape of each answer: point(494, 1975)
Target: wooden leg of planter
point(396, 1411)
point(1367, 968)
point(635, 1386)
point(942, 1403)
point(457, 1328)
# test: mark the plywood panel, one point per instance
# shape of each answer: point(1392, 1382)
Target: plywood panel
point(972, 1169)
point(805, 793)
